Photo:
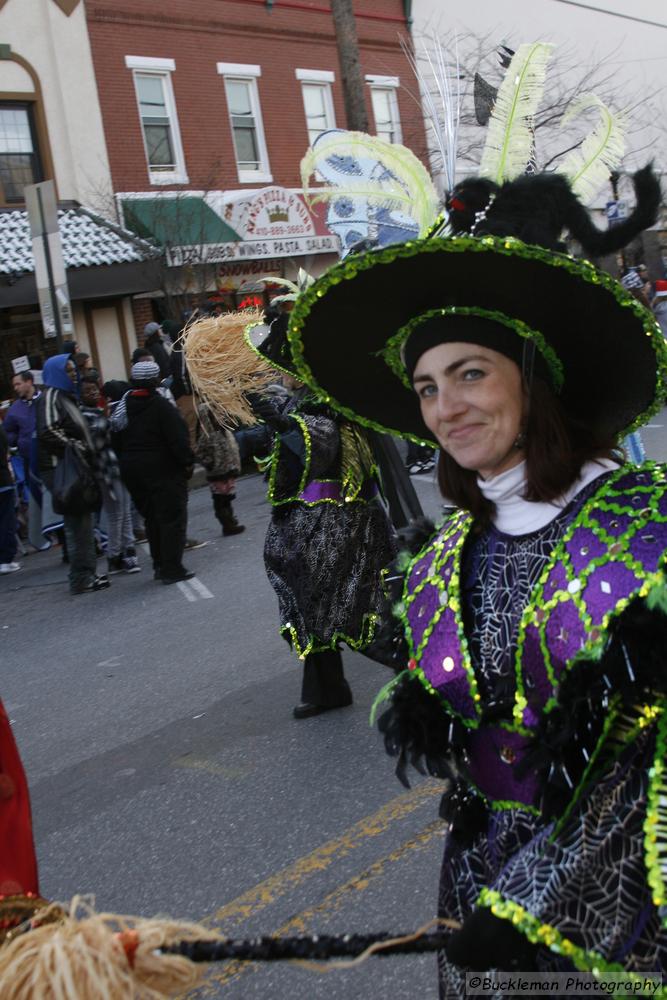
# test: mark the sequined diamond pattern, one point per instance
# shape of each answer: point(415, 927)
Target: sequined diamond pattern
point(612, 550)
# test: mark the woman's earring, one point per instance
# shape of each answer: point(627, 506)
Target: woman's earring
point(520, 440)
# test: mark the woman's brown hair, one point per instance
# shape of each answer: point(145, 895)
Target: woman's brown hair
point(556, 447)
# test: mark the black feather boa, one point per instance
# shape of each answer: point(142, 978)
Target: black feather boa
point(421, 734)
point(389, 645)
point(632, 667)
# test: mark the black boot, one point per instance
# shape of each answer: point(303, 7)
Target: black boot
point(225, 514)
point(324, 686)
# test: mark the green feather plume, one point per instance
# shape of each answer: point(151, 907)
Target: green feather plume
point(412, 192)
point(509, 142)
point(294, 288)
point(384, 694)
point(589, 167)
point(657, 598)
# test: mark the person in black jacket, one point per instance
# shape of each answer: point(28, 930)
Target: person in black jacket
point(7, 510)
point(153, 341)
point(60, 423)
point(156, 461)
point(181, 386)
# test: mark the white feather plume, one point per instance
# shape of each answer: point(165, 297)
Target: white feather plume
point(589, 167)
point(440, 88)
point(399, 182)
point(509, 142)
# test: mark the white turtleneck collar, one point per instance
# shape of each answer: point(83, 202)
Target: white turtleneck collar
point(516, 516)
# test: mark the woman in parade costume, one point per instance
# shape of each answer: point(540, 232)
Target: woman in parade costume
point(329, 535)
point(534, 619)
point(218, 452)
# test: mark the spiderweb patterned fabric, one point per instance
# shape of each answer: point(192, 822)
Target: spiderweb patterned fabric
point(499, 575)
point(591, 883)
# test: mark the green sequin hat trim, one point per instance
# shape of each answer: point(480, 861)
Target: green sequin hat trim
point(611, 349)
point(394, 351)
point(256, 346)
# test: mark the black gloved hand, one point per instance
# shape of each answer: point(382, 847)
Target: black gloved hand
point(489, 942)
point(269, 413)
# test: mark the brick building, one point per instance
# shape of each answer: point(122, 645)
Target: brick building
point(51, 130)
point(207, 109)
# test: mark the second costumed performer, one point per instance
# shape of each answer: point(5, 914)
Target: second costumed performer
point(534, 618)
point(329, 537)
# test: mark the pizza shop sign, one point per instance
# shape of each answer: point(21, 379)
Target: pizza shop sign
point(275, 222)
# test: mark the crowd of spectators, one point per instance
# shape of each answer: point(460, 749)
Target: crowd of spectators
point(97, 467)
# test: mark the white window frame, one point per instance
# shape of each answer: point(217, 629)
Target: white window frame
point(163, 68)
point(390, 84)
point(322, 78)
point(249, 74)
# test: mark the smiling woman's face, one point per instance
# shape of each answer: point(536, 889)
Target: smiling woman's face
point(472, 401)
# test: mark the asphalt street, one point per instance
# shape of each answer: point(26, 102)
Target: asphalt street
point(168, 775)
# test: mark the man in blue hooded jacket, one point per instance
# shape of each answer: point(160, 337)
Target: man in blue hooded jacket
point(60, 423)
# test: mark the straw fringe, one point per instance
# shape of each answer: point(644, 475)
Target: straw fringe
point(223, 368)
point(98, 956)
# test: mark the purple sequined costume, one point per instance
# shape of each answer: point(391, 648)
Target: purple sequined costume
point(497, 626)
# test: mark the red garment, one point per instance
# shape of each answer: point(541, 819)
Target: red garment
point(18, 864)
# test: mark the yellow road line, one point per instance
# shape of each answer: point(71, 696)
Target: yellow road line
point(333, 902)
point(266, 893)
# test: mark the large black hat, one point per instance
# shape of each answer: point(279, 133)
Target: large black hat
point(347, 330)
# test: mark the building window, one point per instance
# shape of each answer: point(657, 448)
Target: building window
point(252, 160)
point(317, 101)
point(159, 122)
point(19, 157)
point(385, 107)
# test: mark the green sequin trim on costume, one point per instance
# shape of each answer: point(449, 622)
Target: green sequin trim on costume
point(544, 934)
point(275, 459)
point(655, 824)
point(641, 503)
point(508, 246)
point(393, 351)
point(356, 460)
point(357, 467)
point(368, 627)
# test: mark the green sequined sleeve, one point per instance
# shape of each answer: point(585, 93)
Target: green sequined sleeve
point(312, 443)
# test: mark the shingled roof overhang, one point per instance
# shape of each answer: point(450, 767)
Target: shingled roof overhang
point(102, 260)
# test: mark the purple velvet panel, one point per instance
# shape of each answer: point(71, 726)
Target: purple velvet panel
point(614, 524)
point(452, 685)
point(421, 568)
point(421, 611)
point(565, 632)
point(493, 752)
point(605, 586)
point(584, 547)
point(537, 686)
point(557, 581)
point(631, 480)
point(648, 545)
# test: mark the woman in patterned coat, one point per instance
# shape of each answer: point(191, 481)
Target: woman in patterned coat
point(532, 623)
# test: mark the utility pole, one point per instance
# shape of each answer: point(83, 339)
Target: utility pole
point(354, 92)
point(614, 178)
